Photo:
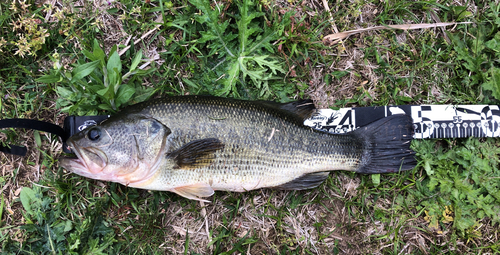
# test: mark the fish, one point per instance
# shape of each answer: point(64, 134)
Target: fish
point(195, 145)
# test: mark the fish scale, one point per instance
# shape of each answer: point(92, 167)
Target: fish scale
point(215, 143)
point(284, 154)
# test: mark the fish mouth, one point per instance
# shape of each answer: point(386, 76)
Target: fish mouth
point(75, 165)
point(86, 162)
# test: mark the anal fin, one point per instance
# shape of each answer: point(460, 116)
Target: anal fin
point(306, 181)
point(194, 191)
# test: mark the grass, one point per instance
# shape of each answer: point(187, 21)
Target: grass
point(97, 57)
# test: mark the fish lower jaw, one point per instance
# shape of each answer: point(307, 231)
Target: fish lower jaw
point(75, 165)
point(142, 182)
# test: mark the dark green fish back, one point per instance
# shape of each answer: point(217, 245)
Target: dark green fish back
point(252, 123)
point(295, 112)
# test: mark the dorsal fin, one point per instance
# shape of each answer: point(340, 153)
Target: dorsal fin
point(196, 154)
point(302, 108)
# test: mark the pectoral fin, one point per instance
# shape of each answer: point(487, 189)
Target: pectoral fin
point(196, 154)
point(194, 191)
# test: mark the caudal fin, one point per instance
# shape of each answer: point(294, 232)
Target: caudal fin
point(388, 143)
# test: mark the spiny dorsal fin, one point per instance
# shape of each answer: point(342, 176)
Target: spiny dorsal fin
point(302, 108)
point(196, 154)
point(307, 181)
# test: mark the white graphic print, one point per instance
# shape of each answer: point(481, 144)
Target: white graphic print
point(429, 121)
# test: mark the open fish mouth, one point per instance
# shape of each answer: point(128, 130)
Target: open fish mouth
point(75, 165)
point(86, 162)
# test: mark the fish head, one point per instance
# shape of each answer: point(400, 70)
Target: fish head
point(126, 150)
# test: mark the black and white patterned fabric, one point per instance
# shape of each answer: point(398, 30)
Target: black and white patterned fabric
point(430, 121)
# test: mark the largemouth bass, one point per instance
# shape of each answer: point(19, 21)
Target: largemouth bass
point(193, 145)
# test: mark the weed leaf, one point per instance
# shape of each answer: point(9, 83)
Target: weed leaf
point(114, 68)
point(98, 52)
point(451, 171)
point(49, 78)
point(125, 92)
point(229, 82)
point(136, 61)
point(83, 70)
point(272, 65)
point(242, 59)
point(245, 30)
point(217, 28)
point(27, 197)
point(493, 82)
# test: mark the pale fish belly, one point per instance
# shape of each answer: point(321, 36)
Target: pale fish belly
point(248, 171)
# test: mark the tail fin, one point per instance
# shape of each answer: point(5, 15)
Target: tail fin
point(388, 143)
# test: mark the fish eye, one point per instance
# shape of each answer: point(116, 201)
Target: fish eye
point(94, 134)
